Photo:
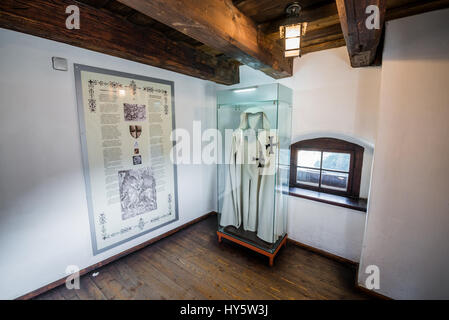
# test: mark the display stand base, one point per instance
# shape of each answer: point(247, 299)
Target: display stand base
point(254, 248)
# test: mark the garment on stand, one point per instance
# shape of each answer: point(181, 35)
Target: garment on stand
point(250, 178)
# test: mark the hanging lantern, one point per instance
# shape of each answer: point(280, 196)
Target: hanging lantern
point(292, 30)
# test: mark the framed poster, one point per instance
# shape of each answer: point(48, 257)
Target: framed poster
point(126, 122)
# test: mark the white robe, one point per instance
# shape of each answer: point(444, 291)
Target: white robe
point(249, 197)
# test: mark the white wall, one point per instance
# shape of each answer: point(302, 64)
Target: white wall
point(330, 228)
point(407, 233)
point(333, 99)
point(402, 109)
point(330, 99)
point(44, 223)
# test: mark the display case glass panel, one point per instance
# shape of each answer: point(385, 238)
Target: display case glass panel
point(253, 174)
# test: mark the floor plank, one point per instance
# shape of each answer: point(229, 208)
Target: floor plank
point(191, 264)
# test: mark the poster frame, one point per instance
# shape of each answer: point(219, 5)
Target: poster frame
point(78, 68)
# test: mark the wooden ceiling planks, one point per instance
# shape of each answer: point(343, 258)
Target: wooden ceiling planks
point(324, 28)
point(220, 25)
point(96, 3)
point(397, 9)
point(323, 31)
point(140, 19)
point(262, 11)
point(163, 45)
point(111, 34)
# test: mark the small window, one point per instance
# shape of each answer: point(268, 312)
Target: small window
point(327, 165)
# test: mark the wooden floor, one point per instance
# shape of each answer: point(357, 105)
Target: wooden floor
point(191, 264)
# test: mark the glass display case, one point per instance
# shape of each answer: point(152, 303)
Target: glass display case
point(253, 171)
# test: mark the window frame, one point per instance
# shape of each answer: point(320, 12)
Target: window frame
point(329, 145)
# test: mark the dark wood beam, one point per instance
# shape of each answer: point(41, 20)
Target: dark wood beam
point(329, 33)
point(415, 7)
point(339, 42)
point(106, 33)
point(362, 43)
point(220, 25)
point(309, 15)
point(96, 3)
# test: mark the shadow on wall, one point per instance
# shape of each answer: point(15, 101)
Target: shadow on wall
point(404, 49)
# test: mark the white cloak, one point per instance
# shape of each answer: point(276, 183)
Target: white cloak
point(249, 197)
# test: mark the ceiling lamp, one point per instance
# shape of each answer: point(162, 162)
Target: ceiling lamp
point(292, 30)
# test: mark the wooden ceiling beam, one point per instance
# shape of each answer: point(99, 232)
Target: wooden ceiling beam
point(220, 25)
point(324, 27)
point(310, 15)
point(104, 32)
point(416, 7)
point(331, 32)
point(362, 43)
point(331, 44)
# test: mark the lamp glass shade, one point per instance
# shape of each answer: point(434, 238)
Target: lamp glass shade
point(292, 43)
point(293, 31)
point(292, 53)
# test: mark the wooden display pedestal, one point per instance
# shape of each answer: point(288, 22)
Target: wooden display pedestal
point(254, 248)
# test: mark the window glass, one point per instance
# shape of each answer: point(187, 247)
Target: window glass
point(327, 165)
point(336, 161)
point(310, 159)
point(334, 180)
point(309, 177)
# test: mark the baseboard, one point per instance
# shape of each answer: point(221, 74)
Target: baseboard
point(351, 263)
point(59, 282)
point(372, 293)
point(324, 253)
